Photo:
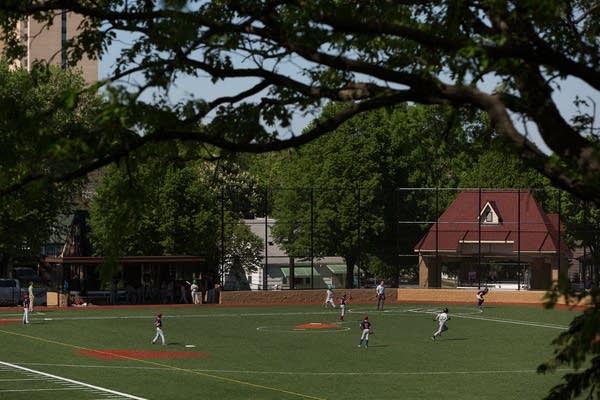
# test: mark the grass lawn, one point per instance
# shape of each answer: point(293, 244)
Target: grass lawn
point(283, 352)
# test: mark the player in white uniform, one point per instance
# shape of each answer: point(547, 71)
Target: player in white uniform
point(159, 332)
point(194, 291)
point(365, 328)
point(441, 318)
point(329, 297)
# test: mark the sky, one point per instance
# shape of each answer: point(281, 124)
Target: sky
point(203, 88)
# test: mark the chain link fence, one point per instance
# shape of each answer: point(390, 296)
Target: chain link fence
point(354, 237)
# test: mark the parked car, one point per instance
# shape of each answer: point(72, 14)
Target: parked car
point(11, 293)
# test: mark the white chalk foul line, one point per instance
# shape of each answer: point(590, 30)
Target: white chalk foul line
point(478, 316)
point(317, 373)
point(301, 330)
point(71, 381)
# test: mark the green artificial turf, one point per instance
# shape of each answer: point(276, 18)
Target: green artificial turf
point(260, 353)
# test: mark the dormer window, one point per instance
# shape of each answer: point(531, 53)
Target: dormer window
point(489, 215)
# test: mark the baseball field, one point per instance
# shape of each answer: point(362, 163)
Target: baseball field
point(278, 352)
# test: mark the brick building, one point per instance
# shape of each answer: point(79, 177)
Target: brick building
point(494, 237)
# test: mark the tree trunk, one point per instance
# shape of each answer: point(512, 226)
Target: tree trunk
point(349, 274)
point(292, 273)
point(4, 264)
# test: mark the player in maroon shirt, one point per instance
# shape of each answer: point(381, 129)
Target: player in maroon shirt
point(159, 332)
point(343, 301)
point(366, 328)
point(26, 308)
point(480, 298)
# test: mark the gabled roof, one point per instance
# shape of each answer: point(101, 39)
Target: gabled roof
point(519, 217)
point(490, 209)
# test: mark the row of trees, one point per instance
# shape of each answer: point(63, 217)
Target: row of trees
point(297, 56)
point(38, 123)
point(333, 196)
point(170, 207)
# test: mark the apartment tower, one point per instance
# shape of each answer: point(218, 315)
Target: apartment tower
point(48, 43)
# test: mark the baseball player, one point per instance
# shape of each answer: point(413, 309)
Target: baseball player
point(159, 332)
point(441, 318)
point(480, 298)
point(329, 297)
point(343, 302)
point(365, 328)
point(194, 291)
point(26, 308)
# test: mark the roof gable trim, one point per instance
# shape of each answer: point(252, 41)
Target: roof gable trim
point(489, 214)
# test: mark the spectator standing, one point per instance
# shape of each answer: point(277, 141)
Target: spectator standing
point(130, 293)
point(183, 294)
point(113, 292)
point(212, 292)
point(171, 292)
point(203, 288)
point(380, 294)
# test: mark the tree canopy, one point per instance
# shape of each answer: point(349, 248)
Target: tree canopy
point(36, 124)
point(285, 58)
point(329, 201)
point(162, 205)
point(340, 195)
point(506, 58)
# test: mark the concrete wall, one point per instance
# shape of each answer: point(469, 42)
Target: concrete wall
point(283, 297)
point(367, 296)
point(468, 296)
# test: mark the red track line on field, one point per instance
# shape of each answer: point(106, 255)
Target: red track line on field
point(139, 355)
